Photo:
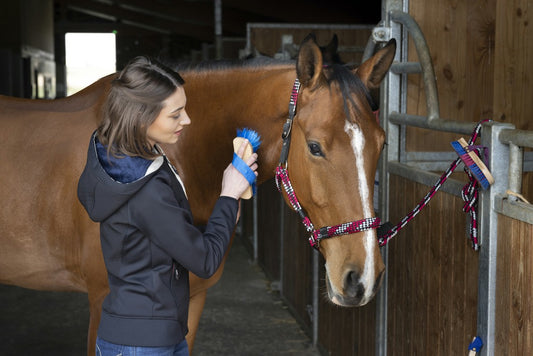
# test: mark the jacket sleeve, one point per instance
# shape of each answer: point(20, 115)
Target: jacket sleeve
point(160, 217)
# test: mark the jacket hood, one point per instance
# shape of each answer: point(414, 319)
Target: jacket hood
point(100, 194)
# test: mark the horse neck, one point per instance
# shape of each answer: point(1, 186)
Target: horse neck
point(252, 98)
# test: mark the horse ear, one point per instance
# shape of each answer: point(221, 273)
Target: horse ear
point(309, 62)
point(331, 49)
point(373, 70)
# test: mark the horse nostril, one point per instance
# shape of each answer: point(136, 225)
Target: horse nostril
point(353, 287)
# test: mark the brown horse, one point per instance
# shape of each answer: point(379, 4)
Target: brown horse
point(49, 243)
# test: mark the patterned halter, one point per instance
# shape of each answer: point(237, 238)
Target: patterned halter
point(283, 182)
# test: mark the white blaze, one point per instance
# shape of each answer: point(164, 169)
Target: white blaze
point(358, 143)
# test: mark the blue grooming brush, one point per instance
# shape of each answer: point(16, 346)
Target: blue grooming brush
point(252, 137)
point(476, 166)
point(254, 141)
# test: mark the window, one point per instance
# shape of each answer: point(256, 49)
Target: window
point(89, 57)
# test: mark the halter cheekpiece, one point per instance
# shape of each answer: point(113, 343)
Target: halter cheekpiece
point(283, 182)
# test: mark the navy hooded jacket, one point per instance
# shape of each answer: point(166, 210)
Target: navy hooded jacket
point(149, 244)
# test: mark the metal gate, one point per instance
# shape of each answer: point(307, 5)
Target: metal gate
point(505, 152)
point(437, 293)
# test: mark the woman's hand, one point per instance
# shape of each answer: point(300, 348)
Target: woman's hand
point(233, 182)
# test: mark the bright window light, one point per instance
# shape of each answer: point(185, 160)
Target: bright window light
point(89, 57)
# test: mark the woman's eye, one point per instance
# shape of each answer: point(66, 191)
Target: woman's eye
point(315, 149)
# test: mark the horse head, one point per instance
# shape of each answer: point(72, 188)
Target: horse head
point(336, 143)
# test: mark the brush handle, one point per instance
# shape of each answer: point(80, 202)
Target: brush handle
point(237, 142)
point(477, 161)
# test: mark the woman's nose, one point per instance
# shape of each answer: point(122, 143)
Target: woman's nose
point(186, 119)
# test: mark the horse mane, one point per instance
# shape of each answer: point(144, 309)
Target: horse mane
point(349, 83)
point(228, 64)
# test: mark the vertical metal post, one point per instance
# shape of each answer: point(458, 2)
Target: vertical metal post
point(315, 295)
point(281, 244)
point(218, 29)
point(486, 310)
point(392, 100)
point(255, 227)
point(516, 159)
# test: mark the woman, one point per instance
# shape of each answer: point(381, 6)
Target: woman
point(147, 234)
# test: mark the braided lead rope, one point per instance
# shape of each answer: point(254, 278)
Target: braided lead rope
point(470, 197)
point(383, 239)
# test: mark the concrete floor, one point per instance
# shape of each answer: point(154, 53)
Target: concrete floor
point(242, 316)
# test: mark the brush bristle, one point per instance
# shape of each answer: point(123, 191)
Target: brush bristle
point(253, 137)
point(472, 166)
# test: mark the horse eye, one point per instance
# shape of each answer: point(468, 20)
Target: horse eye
point(315, 149)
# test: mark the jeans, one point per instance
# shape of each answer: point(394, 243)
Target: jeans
point(104, 348)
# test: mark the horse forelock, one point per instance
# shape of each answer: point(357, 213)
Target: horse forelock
point(350, 86)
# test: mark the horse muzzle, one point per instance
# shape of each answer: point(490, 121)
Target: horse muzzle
point(354, 292)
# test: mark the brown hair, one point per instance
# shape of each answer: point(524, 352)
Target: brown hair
point(133, 103)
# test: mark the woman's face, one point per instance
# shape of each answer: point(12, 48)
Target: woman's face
point(167, 126)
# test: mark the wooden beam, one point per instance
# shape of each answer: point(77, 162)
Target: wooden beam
point(140, 20)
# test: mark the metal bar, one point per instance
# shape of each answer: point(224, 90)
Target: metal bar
point(518, 137)
point(406, 68)
point(218, 29)
point(516, 158)
point(428, 73)
point(255, 227)
point(461, 127)
point(316, 281)
point(369, 49)
point(436, 156)
point(309, 25)
point(451, 186)
point(514, 209)
point(392, 98)
point(486, 310)
point(281, 244)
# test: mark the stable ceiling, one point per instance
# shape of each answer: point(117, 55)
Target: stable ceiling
point(194, 19)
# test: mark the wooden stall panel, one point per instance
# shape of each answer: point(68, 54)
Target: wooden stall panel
point(297, 269)
point(268, 234)
point(513, 77)
point(296, 276)
point(352, 42)
point(514, 288)
point(513, 74)
point(346, 331)
point(432, 274)
point(460, 36)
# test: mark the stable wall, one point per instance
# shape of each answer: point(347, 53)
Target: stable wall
point(482, 53)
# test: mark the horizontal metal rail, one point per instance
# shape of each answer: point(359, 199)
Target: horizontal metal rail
point(518, 137)
point(512, 203)
point(462, 127)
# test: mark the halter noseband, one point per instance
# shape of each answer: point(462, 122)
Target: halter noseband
point(283, 181)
